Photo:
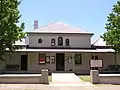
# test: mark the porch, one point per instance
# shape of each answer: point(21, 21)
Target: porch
point(56, 60)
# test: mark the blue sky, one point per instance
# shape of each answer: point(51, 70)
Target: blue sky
point(90, 15)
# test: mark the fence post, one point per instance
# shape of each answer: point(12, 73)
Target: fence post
point(44, 76)
point(94, 74)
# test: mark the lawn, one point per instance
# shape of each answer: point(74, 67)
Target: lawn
point(85, 78)
point(50, 78)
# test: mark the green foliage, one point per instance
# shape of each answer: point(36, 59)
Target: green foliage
point(9, 30)
point(112, 36)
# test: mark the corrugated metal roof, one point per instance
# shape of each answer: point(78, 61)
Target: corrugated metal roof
point(22, 42)
point(65, 50)
point(99, 42)
point(59, 27)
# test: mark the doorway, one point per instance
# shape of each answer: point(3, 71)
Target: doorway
point(60, 63)
point(24, 62)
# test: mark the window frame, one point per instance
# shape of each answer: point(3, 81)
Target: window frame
point(40, 40)
point(78, 58)
point(60, 41)
point(40, 54)
point(67, 42)
point(53, 42)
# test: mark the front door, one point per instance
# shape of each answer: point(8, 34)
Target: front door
point(60, 63)
point(24, 62)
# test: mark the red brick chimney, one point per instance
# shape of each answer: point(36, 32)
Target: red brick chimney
point(35, 24)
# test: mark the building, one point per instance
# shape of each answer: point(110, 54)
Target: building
point(58, 47)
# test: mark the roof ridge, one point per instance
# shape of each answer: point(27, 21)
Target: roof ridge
point(49, 24)
point(62, 23)
point(59, 27)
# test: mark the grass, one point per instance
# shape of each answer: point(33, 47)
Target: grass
point(85, 78)
point(50, 78)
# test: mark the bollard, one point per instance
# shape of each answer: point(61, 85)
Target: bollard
point(94, 74)
point(44, 76)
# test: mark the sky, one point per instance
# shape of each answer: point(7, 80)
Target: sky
point(89, 15)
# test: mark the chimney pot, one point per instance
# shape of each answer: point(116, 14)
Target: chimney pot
point(35, 24)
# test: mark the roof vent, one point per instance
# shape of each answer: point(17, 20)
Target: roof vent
point(35, 24)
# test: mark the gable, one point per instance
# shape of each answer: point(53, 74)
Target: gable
point(99, 42)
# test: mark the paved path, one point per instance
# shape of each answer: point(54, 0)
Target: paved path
point(67, 79)
point(47, 87)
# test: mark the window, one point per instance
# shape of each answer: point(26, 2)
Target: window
point(52, 42)
point(40, 40)
point(60, 41)
point(78, 58)
point(67, 42)
point(41, 58)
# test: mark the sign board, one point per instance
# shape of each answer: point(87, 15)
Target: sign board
point(96, 63)
point(42, 60)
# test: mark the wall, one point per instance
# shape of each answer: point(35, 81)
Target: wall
point(33, 62)
point(69, 63)
point(11, 59)
point(108, 59)
point(109, 79)
point(15, 59)
point(118, 58)
point(85, 66)
point(75, 40)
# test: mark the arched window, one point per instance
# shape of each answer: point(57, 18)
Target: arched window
point(60, 41)
point(40, 40)
point(67, 42)
point(52, 42)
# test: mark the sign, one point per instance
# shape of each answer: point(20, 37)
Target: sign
point(53, 59)
point(96, 63)
point(42, 60)
point(47, 59)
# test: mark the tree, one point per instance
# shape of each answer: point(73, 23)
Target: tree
point(9, 30)
point(112, 36)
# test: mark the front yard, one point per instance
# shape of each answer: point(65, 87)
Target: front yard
point(50, 78)
point(85, 78)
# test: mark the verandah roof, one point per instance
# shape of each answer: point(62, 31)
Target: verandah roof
point(65, 50)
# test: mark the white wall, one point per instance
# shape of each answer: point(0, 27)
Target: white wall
point(69, 64)
point(15, 59)
point(85, 63)
point(75, 40)
point(108, 59)
point(11, 59)
point(33, 62)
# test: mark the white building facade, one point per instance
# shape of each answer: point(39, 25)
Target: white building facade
point(60, 48)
